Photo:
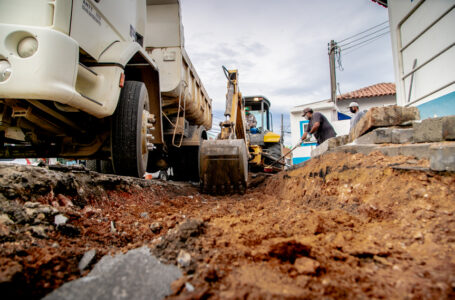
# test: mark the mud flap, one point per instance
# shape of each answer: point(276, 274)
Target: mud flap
point(223, 167)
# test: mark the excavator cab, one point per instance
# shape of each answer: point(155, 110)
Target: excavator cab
point(259, 107)
point(264, 145)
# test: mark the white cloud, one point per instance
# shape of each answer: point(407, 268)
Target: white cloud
point(280, 47)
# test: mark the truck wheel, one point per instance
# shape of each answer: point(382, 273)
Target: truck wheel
point(129, 130)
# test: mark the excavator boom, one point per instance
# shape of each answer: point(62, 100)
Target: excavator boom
point(223, 163)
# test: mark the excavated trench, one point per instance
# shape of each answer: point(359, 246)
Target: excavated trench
point(342, 226)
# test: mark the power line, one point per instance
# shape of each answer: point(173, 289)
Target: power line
point(361, 38)
point(349, 52)
point(363, 42)
point(348, 38)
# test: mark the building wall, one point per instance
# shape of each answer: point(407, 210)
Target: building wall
point(434, 81)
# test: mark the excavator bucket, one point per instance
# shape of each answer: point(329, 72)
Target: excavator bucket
point(223, 167)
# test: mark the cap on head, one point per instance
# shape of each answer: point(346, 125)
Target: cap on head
point(307, 110)
point(353, 104)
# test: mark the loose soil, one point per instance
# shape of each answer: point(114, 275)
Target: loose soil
point(343, 226)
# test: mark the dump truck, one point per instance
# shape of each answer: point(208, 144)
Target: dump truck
point(238, 149)
point(105, 81)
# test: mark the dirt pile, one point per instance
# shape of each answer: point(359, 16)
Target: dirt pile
point(343, 226)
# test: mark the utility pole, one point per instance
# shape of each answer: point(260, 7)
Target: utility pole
point(333, 80)
point(282, 131)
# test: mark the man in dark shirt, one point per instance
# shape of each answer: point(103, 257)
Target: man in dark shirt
point(318, 125)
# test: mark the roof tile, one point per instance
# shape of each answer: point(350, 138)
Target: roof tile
point(380, 89)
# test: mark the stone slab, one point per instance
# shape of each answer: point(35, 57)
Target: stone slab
point(402, 136)
point(428, 130)
point(329, 145)
point(442, 157)
point(448, 128)
point(417, 150)
point(377, 136)
point(383, 117)
point(134, 275)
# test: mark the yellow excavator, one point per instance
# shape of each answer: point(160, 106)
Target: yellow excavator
point(223, 163)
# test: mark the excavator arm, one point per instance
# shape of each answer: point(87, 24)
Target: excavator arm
point(223, 163)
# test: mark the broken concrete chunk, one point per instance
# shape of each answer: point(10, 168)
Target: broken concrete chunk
point(60, 219)
point(383, 117)
point(306, 266)
point(329, 145)
point(442, 157)
point(86, 259)
point(134, 275)
point(155, 227)
point(5, 219)
point(183, 259)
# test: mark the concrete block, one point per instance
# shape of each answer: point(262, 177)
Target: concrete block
point(377, 136)
point(416, 150)
point(351, 148)
point(442, 157)
point(429, 130)
point(383, 117)
point(448, 128)
point(402, 136)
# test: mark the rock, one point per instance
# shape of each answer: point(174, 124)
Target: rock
point(418, 236)
point(156, 227)
point(30, 204)
point(383, 117)
point(189, 287)
point(5, 219)
point(306, 266)
point(86, 259)
point(65, 201)
point(134, 275)
point(39, 231)
point(113, 229)
point(4, 231)
point(183, 259)
point(329, 145)
point(448, 128)
point(403, 136)
point(144, 215)
point(428, 130)
point(60, 219)
point(377, 136)
point(442, 157)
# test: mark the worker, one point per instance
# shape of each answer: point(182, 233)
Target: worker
point(318, 125)
point(251, 120)
point(354, 108)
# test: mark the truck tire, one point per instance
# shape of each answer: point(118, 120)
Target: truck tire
point(128, 135)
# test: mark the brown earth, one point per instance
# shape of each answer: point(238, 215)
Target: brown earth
point(343, 226)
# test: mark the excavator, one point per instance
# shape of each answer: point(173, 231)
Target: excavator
point(224, 162)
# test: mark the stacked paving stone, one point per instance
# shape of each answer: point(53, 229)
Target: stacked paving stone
point(396, 130)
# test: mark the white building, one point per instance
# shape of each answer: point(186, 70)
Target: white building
point(377, 95)
point(423, 41)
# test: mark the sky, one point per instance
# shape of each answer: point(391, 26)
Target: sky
point(280, 48)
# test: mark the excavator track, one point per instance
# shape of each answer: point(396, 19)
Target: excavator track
point(223, 167)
